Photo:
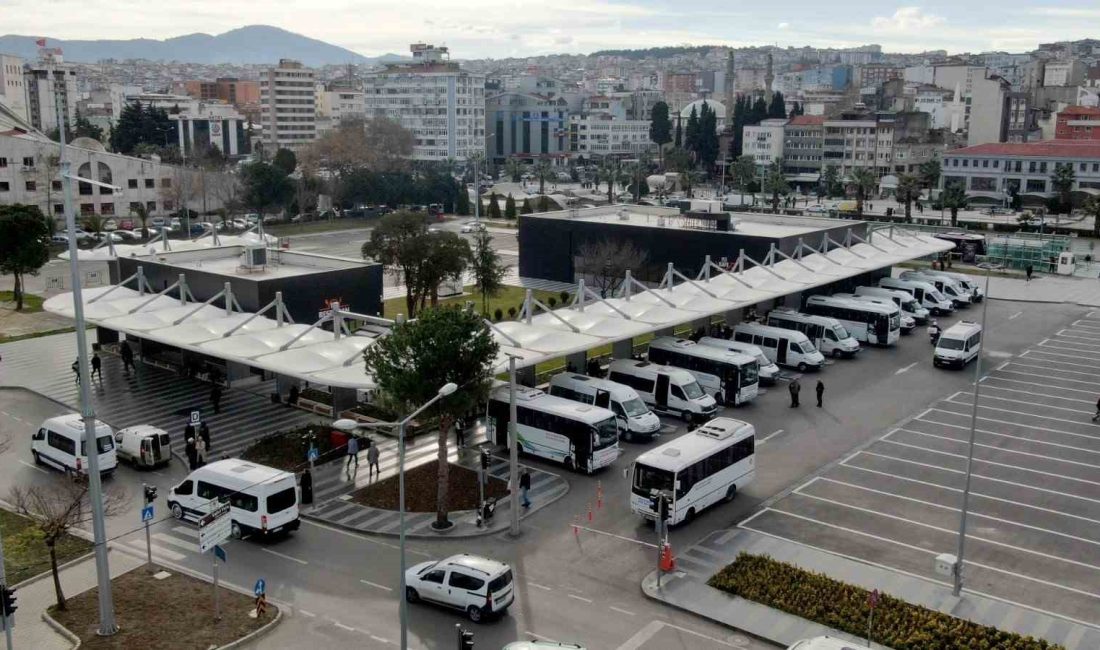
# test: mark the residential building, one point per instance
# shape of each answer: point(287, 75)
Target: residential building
point(764, 141)
point(875, 74)
point(960, 76)
point(803, 146)
point(440, 103)
point(528, 124)
point(858, 140)
point(202, 90)
point(239, 92)
point(338, 102)
point(1078, 123)
point(997, 113)
point(598, 134)
point(1064, 73)
point(995, 171)
point(44, 96)
point(945, 107)
point(288, 107)
point(13, 92)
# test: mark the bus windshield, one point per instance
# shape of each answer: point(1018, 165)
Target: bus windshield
point(605, 433)
point(950, 344)
point(840, 332)
point(648, 478)
point(895, 322)
point(808, 348)
point(937, 296)
point(635, 407)
point(750, 374)
point(911, 306)
point(692, 390)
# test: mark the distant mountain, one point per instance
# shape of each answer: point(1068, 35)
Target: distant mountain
point(250, 44)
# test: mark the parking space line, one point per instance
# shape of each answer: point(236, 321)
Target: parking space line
point(1082, 323)
point(1025, 353)
point(1059, 369)
point(1015, 316)
point(1062, 335)
point(376, 585)
point(284, 556)
point(538, 586)
point(580, 598)
point(993, 462)
point(33, 466)
point(1032, 383)
point(1029, 392)
point(1034, 415)
point(905, 368)
point(1012, 437)
point(1005, 449)
point(751, 517)
point(347, 628)
point(769, 436)
point(621, 611)
point(1025, 426)
point(1049, 344)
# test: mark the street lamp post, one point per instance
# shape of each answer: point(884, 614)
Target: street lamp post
point(444, 391)
point(957, 588)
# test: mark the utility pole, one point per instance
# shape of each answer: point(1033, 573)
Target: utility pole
point(513, 447)
point(7, 619)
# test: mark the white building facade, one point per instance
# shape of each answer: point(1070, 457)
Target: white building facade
point(288, 106)
point(599, 134)
point(764, 141)
point(43, 97)
point(13, 93)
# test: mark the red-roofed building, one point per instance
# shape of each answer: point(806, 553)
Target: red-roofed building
point(995, 171)
point(1078, 123)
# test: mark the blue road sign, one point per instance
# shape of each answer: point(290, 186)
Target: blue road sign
point(219, 553)
point(260, 588)
point(147, 513)
point(313, 454)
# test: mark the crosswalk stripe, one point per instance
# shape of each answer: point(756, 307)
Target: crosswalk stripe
point(139, 545)
point(185, 531)
point(175, 541)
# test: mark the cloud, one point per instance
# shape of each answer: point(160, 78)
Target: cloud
point(906, 19)
point(1065, 12)
point(783, 26)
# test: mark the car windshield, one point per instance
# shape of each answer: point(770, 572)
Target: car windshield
point(635, 407)
point(606, 433)
point(762, 360)
point(692, 390)
point(950, 344)
point(104, 443)
point(807, 347)
point(840, 332)
point(648, 478)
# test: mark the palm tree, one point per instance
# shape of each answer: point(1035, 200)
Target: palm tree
point(139, 211)
point(863, 181)
point(954, 198)
point(513, 168)
point(908, 189)
point(743, 171)
point(929, 173)
point(609, 169)
point(543, 171)
point(1062, 180)
point(775, 183)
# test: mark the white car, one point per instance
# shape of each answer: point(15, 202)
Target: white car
point(476, 585)
point(473, 226)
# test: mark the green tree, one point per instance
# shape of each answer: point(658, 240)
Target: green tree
point(462, 204)
point(138, 210)
point(778, 107)
point(954, 199)
point(513, 169)
point(445, 257)
point(907, 191)
point(660, 128)
point(775, 183)
point(708, 137)
point(758, 112)
point(929, 173)
point(1092, 208)
point(863, 182)
point(510, 208)
point(543, 171)
point(263, 187)
point(488, 270)
point(831, 184)
point(24, 244)
point(526, 209)
point(285, 161)
point(494, 206)
point(742, 172)
point(678, 140)
point(691, 132)
point(418, 357)
point(611, 170)
point(1062, 181)
point(544, 203)
point(678, 160)
point(138, 125)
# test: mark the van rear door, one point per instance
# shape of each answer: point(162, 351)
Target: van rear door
point(660, 393)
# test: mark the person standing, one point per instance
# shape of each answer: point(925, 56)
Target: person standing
point(192, 454)
point(189, 432)
point(97, 366)
point(1097, 416)
point(460, 432)
point(372, 461)
point(353, 453)
point(1029, 270)
point(820, 392)
point(200, 453)
point(216, 397)
point(76, 371)
point(204, 433)
point(795, 388)
point(525, 487)
point(127, 355)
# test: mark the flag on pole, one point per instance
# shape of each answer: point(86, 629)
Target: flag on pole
point(40, 42)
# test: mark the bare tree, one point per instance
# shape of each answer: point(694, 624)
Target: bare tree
point(389, 145)
point(605, 263)
point(56, 508)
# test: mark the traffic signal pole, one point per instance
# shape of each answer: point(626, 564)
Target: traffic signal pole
point(7, 619)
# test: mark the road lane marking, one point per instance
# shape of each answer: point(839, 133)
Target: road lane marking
point(32, 466)
point(538, 586)
point(284, 556)
point(905, 369)
point(580, 598)
point(621, 611)
point(380, 639)
point(343, 627)
point(139, 545)
point(1015, 316)
point(376, 585)
point(1002, 366)
point(307, 613)
point(770, 436)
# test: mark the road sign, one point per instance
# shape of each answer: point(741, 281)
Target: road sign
point(872, 598)
point(219, 553)
point(313, 454)
point(260, 588)
point(214, 528)
point(147, 513)
point(196, 417)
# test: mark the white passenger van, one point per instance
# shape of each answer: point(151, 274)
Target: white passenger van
point(699, 469)
point(262, 500)
point(731, 377)
point(57, 440)
point(925, 292)
point(828, 334)
point(908, 323)
point(903, 299)
point(785, 347)
point(634, 417)
point(966, 282)
point(144, 446)
point(958, 345)
point(948, 286)
point(666, 389)
point(875, 323)
point(769, 372)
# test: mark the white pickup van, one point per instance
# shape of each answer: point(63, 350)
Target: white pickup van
point(56, 443)
point(262, 500)
point(666, 389)
point(634, 417)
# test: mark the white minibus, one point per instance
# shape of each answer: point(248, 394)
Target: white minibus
point(262, 500)
point(948, 286)
point(828, 334)
point(698, 469)
point(57, 440)
point(731, 377)
point(875, 323)
point(908, 323)
point(958, 345)
point(769, 372)
point(903, 299)
point(786, 347)
point(634, 417)
point(579, 436)
point(966, 282)
point(666, 389)
point(925, 292)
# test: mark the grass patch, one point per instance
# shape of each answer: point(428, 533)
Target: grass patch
point(31, 303)
point(508, 296)
point(420, 490)
point(25, 554)
point(897, 624)
point(175, 613)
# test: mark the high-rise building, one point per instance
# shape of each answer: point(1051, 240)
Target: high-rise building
point(12, 86)
point(43, 96)
point(441, 104)
point(288, 106)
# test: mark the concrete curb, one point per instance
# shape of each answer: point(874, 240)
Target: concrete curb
point(60, 567)
point(60, 629)
point(252, 636)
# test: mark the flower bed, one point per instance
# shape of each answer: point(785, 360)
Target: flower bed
point(286, 450)
point(897, 624)
point(421, 484)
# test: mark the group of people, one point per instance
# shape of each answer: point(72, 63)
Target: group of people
point(372, 457)
point(198, 444)
point(795, 387)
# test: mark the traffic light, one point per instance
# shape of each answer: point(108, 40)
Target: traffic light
point(7, 600)
point(150, 493)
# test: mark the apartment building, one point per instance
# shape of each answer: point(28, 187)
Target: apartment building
point(527, 125)
point(764, 141)
point(1078, 123)
point(288, 106)
point(997, 170)
point(595, 135)
point(858, 141)
point(13, 92)
point(45, 96)
point(803, 147)
point(441, 104)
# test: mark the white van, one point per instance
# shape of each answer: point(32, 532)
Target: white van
point(144, 446)
point(786, 347)
point(57, 439)
point(958, 345)
point(262, 500)
point(908, 323)
point(731, 377)
point(948, 286)
point(632, 414)
point(769, 372)
point(828, 334)
point(925, 292)
point(905, 301)
point(966, 282)
point(666, 389)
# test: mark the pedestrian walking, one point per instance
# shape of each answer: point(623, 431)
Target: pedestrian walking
point(820, 392)
point(97, 366)
point(76, 371)
point(460, 432)
point(372, 461)
point(204, 433)
point(216, 397)
point(525, 487)
point(353, 453)
point(795, 388)
point(1097, 416)
point(192, 454)
point(1029, 270)
point(200, 453)
point(307, 487)
point(127, 355)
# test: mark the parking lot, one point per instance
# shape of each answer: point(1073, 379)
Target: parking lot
point(1035, 500)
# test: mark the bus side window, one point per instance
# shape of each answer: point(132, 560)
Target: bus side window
point(770, 343)
point(743, 337)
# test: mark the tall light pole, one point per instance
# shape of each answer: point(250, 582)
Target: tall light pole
point(513, 447)
point(957, 589)
point(107, 626)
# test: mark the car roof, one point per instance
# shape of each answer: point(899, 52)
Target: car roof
point(476, 563)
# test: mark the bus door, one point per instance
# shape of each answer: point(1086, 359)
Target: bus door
point(731, 383)
point(815, 332)
point(603, 399)
point(781, 351)
point(660, 393)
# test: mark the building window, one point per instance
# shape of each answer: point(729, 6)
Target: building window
point(59, 208)
point(134, 206)
point(56, 185)
point(168, 205)
point(150, 206)
point(985, 163)
point(32, 186)
point(966, 162)
point(4, 186)
point(132, 183)
point(150, 183)
point(28, 161)
point(1036, 185)
point(3, 162)
point(1042, 168)
point(87, 208)
point(107, 208)
point(166, 182)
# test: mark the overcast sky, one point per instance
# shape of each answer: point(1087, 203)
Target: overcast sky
point(500, 28)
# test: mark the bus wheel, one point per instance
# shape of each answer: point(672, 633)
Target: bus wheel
point(718, 399)
point(802, 366)
point(569, 464)
point(730, 493)
point(628, 436)
point(836, 353)
point(690, 516)
point(686, 415)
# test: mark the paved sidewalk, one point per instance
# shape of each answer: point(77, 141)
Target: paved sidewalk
point(687, 589)
point(1042, 288)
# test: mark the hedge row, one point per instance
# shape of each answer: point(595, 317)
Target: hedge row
point(897, 624)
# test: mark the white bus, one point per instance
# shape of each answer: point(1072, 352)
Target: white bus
point(828, 334)
point(732, 378)
point(950, 287)
point(905, 301)
point(925, 293)
point(870, 322)
point(635, 418)
point(666, 389)
point(581, 437)
point(908, 323)
point(786, 347)
point(769, 372)
point(698, 469)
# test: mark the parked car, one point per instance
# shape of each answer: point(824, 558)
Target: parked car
point(128, 235)
point(110, 224)
point(473, 226)
point(158, 221)
point(104, 236)
point(127, 224)
point(479, 586)
point(175, 223)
